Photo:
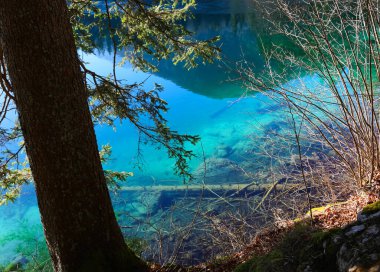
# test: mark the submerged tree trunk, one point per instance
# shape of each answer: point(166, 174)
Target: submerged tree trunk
point(79, 223)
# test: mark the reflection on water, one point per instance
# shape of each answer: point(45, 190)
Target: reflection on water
point(225, 6)
point(243, 32)
point(238, 40)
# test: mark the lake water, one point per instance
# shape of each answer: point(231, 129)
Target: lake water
point(203, 102)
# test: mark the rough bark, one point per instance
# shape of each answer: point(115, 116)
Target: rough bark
point(79, 223)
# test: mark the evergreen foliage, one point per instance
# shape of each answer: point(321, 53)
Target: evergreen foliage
point(144, 32)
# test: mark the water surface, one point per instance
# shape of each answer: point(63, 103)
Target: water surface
point(206, 101)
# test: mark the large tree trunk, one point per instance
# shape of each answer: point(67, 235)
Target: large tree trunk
point(79, 223)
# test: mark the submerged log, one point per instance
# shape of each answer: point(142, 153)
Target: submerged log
point(170, 194)
point(211, 187)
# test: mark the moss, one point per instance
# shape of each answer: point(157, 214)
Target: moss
point(304, 247)
point(322, 209)
point(271, 262)
point(371, 208)
point(322, 235)
point(247, 266)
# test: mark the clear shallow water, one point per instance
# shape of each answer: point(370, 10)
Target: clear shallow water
point(202, 102)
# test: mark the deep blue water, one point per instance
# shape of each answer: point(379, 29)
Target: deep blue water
point(202, 101)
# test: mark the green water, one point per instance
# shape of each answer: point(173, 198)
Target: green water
point(202, 102)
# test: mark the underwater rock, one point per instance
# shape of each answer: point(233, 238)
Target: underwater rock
point(164, 202)
point(220, 171)
point(244, 148)
point(274, 127)
point(271, 108)
point(139, 204)
point(223, 151)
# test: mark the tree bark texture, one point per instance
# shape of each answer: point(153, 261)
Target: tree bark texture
point(81, 230)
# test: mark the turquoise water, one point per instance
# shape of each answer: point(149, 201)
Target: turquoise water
point(202, 102)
